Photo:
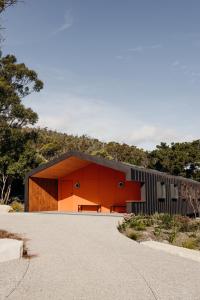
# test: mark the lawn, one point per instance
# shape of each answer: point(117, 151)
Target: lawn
point(171, 229)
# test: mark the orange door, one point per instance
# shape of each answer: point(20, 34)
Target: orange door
point(66, 196)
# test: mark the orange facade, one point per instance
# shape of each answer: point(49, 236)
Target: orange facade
point(95, 184)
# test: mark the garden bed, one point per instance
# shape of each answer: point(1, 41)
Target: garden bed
point(170, 229)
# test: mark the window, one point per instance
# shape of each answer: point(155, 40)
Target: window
point(77, 185)
point(174, 191)
point(161, 191)
point(121, 184)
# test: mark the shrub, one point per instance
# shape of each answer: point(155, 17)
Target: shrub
point(17, 206)
point(166, 220)
point(137, 224)
point(157, 231)
point(172, 236)
point(183, 223)
point(190, 244)
point(132, 234)
point(194, 226)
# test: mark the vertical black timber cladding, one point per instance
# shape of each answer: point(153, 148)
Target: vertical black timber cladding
point(149, 199)
point(173, 202)
point(155, 193)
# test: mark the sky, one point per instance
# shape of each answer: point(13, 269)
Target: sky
point(122, 70)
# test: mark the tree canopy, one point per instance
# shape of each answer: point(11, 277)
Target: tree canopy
point(6, 3)
point(17, 153)
point(177, 159)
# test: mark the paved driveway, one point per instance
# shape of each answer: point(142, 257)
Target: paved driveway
point(85, 257)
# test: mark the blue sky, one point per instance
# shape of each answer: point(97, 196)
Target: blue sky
point(118, 70)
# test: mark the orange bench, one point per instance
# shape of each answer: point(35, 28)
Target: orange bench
point(82, 207)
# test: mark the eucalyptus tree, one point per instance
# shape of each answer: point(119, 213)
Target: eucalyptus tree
point(17, 153)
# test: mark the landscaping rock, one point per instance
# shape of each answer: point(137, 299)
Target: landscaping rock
point(10, 249)
point(5, 209)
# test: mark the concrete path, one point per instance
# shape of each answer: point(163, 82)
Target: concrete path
point(85, 257)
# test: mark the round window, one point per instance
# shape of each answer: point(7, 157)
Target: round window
point(77, 185)
point(121, 184)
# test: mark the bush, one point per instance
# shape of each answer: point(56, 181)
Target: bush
point(194, 226)
point(157, 231)
point(190, 244)
point(137, 224)
point(132, 234)
point(177, 230)
point(17, 206)
point(166, 220)
point(182, 223)
point(172, 236)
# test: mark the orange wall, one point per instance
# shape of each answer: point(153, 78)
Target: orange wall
point(98, 185)
point(43, 194)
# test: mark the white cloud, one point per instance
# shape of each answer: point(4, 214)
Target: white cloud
point(119, 57)
point(80, 115)
point(193, 75)
point(68, 22)
point(142, 48)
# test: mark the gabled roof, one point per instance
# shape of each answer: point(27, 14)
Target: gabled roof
point(74, 160)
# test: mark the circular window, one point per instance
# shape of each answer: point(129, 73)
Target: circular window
point(77, 185)
point(121, 184)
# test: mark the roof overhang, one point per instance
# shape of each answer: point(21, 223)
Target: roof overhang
point(72, 161)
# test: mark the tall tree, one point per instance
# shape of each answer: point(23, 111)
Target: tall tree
point(6, 3)
point(17, 153)
point(177, 159)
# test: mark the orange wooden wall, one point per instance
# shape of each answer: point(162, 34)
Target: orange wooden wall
point(43, 194)
point(98, 185)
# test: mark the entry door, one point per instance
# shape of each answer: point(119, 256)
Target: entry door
point(66, 193)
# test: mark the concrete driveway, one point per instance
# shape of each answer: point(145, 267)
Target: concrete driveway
point(85, 257)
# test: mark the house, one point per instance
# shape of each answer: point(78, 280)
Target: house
point(77, 181)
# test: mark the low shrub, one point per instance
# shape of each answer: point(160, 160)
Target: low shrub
point(174, 229)
point(182, 222)
point(194, 226)
point(190, 244)
point(172, 235)
point(137, 224)
point(130, 233)
point(17, 206)
point(157, 231)
point(166, 221)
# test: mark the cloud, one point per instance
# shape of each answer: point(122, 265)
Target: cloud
point(142, 48)
point(175, 63)
point(79, 115)
point(68, 22)
point(119, 57)
point(138, 49)
point(193, 75)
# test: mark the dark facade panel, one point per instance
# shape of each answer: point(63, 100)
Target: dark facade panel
point(165, 193)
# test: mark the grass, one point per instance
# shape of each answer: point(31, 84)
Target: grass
point(173, 229)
